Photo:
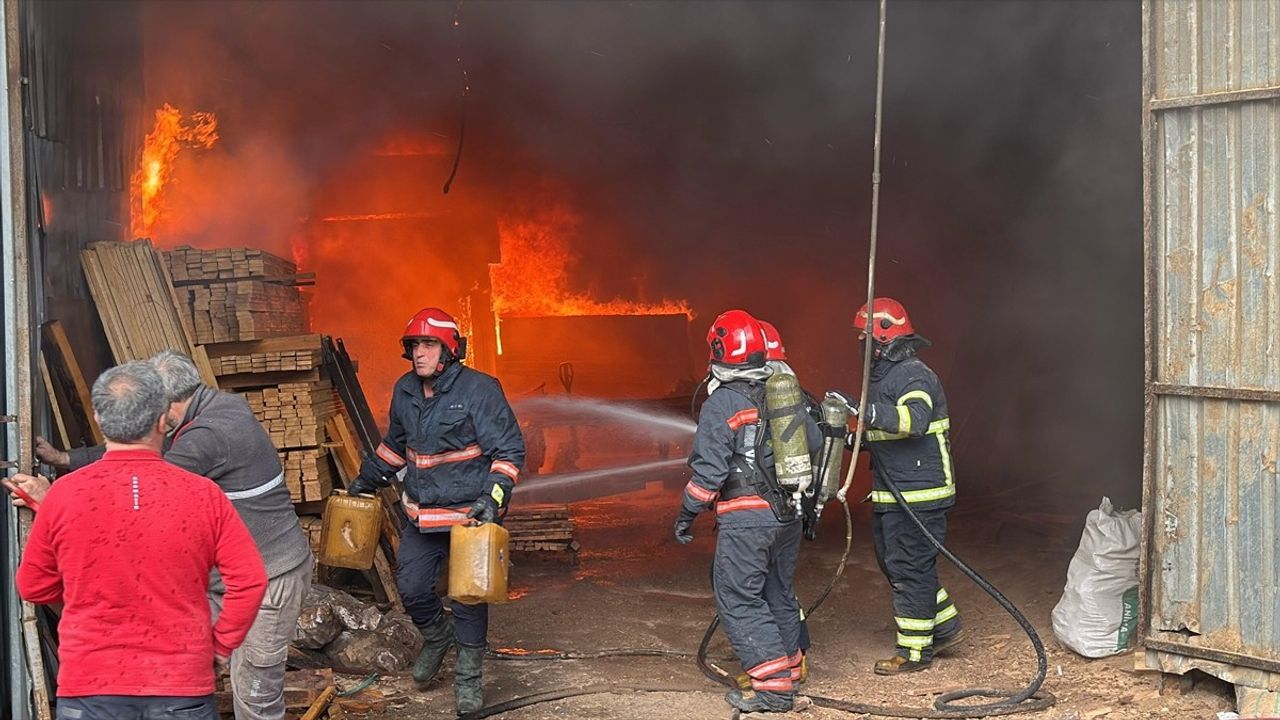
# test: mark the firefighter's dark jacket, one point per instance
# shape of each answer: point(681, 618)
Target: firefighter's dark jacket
point(908, 435)
point(730, 429)
point(459, 444)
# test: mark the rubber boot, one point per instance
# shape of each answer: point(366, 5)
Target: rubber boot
point(438, 635)
point(766, 702)
point(467, 690)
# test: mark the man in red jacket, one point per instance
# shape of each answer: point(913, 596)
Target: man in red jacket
point(126, 544)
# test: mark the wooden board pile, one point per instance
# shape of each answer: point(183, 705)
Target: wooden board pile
point(137, 303)
point(235, 294)
point(187, 263)
point(255, 363)
point(307, 474)
point(294, 414)
point(543, 530)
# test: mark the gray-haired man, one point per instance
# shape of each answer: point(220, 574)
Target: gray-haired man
point(215, 434)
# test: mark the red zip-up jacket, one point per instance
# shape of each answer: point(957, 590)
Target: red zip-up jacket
point(127, 544)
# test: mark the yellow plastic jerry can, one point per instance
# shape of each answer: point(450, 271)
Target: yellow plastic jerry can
point(478, 564)
point(349, 531)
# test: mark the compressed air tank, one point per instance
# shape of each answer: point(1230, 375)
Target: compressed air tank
point(786, 412)
point(835, 414)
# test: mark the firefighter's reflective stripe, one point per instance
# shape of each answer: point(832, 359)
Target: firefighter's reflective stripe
point(256, 491)
point(946, 458)
point(946, 614)
point(743, 417)
point(937, 427)
point(904, 420)
point(432, 517)
point(747, 502)
point(916, 395)
point(914, 655)
point(782, 684)
point(389, 456)
point(452, 456)
point(699, 493)
point(769, 667)
point(915, 496)
point(796, 659)
point(918, 642)
point(905, 623)
point(497, 494)
point(506, 468)
point(942, 595)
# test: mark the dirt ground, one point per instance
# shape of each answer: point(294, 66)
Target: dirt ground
point(636, 588)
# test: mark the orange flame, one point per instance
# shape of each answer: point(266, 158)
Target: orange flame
point(533, 277)
point(159, 150)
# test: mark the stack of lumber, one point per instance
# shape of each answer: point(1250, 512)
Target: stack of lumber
point(244, 310)
point(258, 363)
point(307, 474)
point(542, 529)
point(187, 263)
point(137, 303)
point(233, 294)
point(294, 414)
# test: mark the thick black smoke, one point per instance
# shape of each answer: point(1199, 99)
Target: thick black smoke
point(721, 152)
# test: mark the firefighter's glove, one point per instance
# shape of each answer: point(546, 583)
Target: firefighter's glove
point(483, 510)
point(363, 485)
point(845, 398)
point(684, 529)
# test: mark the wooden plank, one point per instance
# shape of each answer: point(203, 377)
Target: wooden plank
point(387, 578)
point(273, 344)
point(67, 361)
point(242, 381)
point(35, 662)
point(318, 707)
point(52, 394)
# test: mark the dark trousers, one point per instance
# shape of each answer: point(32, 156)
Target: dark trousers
point(752, 576)
point(137, 707)
point(922, 608)
point(421, 555)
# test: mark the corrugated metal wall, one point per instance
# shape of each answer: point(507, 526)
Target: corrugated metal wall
point(1211, 141)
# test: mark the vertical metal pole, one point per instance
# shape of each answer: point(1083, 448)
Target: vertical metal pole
point(17, 335)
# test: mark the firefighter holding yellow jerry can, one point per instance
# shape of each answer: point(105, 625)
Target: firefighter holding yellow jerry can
point(751, 460)
point(905, 413)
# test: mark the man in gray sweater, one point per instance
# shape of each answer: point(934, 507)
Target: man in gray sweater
point(216, 435)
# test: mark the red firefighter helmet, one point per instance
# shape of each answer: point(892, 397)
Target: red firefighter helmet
point(736, 338)
point(434, 323)
point(773, 349)
point(889, 320)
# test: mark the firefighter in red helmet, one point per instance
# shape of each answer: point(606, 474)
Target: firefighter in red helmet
point(758, 540)
point(455, 437)
point(907, 423)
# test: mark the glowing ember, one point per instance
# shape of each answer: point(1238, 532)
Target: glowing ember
point(533, 278)
point(155, 171)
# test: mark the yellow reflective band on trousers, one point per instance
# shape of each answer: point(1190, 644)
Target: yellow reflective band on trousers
point(914, 641)
point(916, 395)
point(935, 428)
point(942, 595)
point(946, 615)
point(905, 623)
point(914, 655)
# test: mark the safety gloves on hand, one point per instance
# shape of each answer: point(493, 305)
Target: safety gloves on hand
point(684, 528)
point(845, 398)
point(483, 510)
point(363, 485)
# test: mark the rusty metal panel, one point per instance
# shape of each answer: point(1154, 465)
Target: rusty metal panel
point(1212, 153)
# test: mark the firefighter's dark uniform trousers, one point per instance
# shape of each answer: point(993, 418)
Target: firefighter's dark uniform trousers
point(908, 437)
point(756, 553)
point(460, 444)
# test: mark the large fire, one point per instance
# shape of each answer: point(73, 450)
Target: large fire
point(533, 277)
point(172, 133)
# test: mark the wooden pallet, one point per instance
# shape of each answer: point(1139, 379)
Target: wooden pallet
point(542, 529)
point(137, 303)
